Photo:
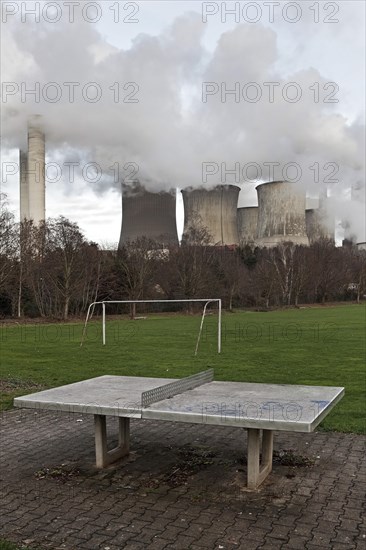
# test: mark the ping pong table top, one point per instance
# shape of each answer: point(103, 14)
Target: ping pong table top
point(241, 404)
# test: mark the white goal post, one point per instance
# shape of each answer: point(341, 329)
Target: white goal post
point(206, 301)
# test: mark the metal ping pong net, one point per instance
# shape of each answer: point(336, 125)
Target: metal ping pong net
point(174, 388)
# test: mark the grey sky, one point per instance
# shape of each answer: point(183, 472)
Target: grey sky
point(170, 132)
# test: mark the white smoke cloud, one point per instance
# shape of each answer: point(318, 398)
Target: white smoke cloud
point(170, 132)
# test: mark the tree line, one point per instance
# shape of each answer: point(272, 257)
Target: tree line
point(53, 271)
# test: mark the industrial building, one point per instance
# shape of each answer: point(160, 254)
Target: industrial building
point(214, 210)
point(146, 214)
point(281, 214)
point(247, 219)
point(316, 225)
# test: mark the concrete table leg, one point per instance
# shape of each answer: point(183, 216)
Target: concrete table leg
point(102, 455)
point(258, 469)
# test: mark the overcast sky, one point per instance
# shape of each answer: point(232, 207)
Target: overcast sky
point(150, 95)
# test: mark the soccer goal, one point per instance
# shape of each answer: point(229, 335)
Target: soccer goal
point(205, 301)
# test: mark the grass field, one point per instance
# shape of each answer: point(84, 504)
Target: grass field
point(320, 346)
point(7, 545)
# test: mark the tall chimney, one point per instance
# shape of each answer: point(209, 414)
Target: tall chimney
point(36, 171)
point(23, 186)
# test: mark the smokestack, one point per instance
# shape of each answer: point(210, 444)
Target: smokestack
point(23, 186)
point(247, 219)
point(36, 171)
point(214, 210)
point(150, 215)
point(281, 214)
point(326, 222)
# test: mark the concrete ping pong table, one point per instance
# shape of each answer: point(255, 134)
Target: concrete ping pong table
point(260, 408)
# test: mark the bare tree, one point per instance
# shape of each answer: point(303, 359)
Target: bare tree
point(230, 272)
point(65, 262)
point(263, 279)
point(136, 265)
point(356, 261)
point(192, 264)
point(301, 272)
point(328, 270)
point(290, 270)
point(9, 242)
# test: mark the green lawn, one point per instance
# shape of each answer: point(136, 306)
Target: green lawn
point(7, 545)
point(320, 346)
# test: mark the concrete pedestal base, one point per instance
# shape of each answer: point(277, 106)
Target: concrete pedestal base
point(102, 455)
point(258, 469)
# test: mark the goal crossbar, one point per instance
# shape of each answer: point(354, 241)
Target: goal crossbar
point(206, 301)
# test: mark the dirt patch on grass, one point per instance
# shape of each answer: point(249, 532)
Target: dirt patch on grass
point(12, 385)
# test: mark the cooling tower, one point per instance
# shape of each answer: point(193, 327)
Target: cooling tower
point(316, 225)
point(281, 214)
point(36, 171)
point(247, 219)
point(213, 210)
point(23, 183)
point(150, 215)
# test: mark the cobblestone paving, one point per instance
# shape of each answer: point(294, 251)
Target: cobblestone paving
point(182, 486)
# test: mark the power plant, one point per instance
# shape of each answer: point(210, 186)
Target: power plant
point(247, 219)
point(214, 210)
point(316, 226)
point(150, 215)
point(281, 214)
point(32, 175)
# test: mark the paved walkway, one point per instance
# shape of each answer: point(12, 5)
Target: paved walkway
point(180, 488)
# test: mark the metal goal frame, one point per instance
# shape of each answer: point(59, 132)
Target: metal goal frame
point(206, 301)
